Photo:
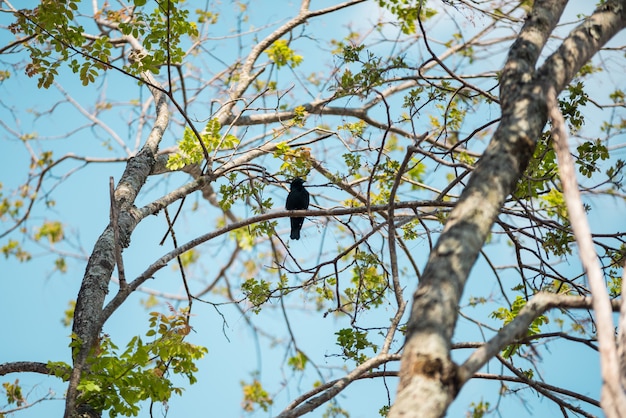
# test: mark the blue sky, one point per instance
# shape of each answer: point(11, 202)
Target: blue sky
point(32, 300)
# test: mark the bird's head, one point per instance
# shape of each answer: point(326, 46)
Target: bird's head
point(297, 183)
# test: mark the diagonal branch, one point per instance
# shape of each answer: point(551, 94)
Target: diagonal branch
point(613, 397)
point(162, 262)
point(426, 364)
point(518, 328)
point(247, 77)
point(331, 389)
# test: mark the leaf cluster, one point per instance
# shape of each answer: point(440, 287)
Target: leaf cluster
point(190, 151)
point(118, 381)
point(296, 162)
point(161, 33)
point(353, 342)
point(407, 12)
point(281, 55)
point(508, 315)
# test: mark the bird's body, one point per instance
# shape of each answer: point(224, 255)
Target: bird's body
point(297, 199)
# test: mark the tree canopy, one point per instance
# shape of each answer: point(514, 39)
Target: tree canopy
point(462, 252)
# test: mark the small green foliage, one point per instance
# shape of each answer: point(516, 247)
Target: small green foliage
point(450, 115)
point(50, 23)
point(554, 204)
point(260, 85)
point(280, 54)
point(254, 394)
point(298, 362)
point(617, 96)
point(333, 410)
point(324, 293)
point(369, 285)
point(588, 69)
point(617, 256)
point(478, 410)
point(384, 411)
point(541, 170)
point(296, 161)
point(614, 285)
point(13, 248)
point(44, 160)
point(412, 98)
point(60, 369)
point(464, 157)
point(207, 17)
point(13, 393)
point(614, 173)
point(570, 106)
point(243, 238)
point(558, 242)
point(245, 191)
point(10, 207)
point(4, 74)
point(406, 12)
point(299, 115)
point(370, 75)
point(454, 114)
point(588, 155)
point(351, 52)
point(257, 292)
point(161, 33)
point(416, 172)
point(477, 300)
point(189, 257)
point(353, 342)
point(356, 128)
point(68, 314)
point(353, 163)
point(352, 39)
point(190, 150)
point(149, 303)
point(384, 176)
point(51, 230)
point(118, 381)
point(468, 52)
point(410, 230)
point(558, 286)
point(528, 373)
point(247, 236)
point(509, 315)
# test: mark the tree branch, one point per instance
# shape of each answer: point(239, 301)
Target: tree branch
point(427, 372)
point(518, 328)
point(613, 396)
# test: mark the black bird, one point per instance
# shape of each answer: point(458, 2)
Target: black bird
point(298, 198)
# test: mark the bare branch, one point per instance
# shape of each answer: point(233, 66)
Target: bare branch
point(613, 396)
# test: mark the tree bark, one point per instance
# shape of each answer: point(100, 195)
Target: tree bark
point(87, 322)
point(428, 378)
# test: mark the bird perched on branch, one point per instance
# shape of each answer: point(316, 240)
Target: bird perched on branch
point(297, 199)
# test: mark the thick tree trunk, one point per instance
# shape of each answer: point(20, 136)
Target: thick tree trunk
point(428, 377)
point(94, 288)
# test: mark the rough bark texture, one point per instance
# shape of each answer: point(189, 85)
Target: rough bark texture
point(94, 287)
point(428, 377)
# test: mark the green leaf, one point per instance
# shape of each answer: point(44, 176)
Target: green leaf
point(507, 316)
point(192, 152)
point(353, 342)
point(280, 53)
